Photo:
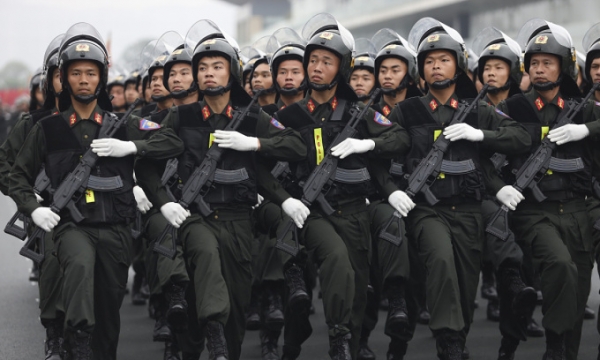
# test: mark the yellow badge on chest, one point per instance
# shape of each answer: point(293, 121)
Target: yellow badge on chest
point(544, 132)
point(89, 196)
point(211, 138)
point(319, 145)
point(436, 134)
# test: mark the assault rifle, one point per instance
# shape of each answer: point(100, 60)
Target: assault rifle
point(322, 178)
point(201, 180)
point(536, 166)
point(430, 167)
point(75, 184)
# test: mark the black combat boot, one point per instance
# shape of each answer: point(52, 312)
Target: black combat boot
point(524, 297)
point(397, 318)
point(555, 346)
point(171, 351)
point(136, 295)
point(364, 351)
point(508, 346)
point(290, 352)
point(272, 308)
point(54, 341)
point(34, 275)
point(190, 356)
point(162, 331)
point(252, 315)
point(215, 341)
point(589, 314)
point(339, 347)
point(81, 346)
point(488, 282)
point(493, 310)
point(466, 354)
point(298, 299)
point(268, 343)
point(449, 345)
point(177, 311)
point(533, 329)
point(396, 350)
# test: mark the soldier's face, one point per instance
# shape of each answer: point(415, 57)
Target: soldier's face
point(496, 72)
point(544, 68)
point(323, 66)
point(213, 72)
point(261, 77)
point(56, 81)
point(362, 81)
point(595, 70)
point(83, 77)
point(156, 83)
point(290, 74)
point(391, 73)
point(131, 93)
point(439, 65)
point(118, 93)
point(180, 77)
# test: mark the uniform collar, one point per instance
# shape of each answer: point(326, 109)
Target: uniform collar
point(207, 111)
point(539, 102)
point(385, 108)
point(434, 104)
point(73, 118)
point(311, 105)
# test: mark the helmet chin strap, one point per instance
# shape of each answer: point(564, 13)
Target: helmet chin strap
point(444, 84)
point(548, 85)
point(219, 90)
point(323, 87)
point(392, 92)
point(85, 99)
point(292, 91)
point(182, 94)
point(268, 91)
point(495, 90)
point(160, 98)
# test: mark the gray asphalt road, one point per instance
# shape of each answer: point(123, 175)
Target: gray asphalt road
point(22, 336)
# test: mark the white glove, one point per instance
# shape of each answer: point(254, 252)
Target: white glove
point(45, 218)
point(295, 209)
point(352, 146)
point(236, 141)
point(143, 204)
point(38, 198)
point(401, 202)
point(260, 200)
point(174, 213)
point(510, 197)
point(568, 133)
point(113, 147)
point(463, 132)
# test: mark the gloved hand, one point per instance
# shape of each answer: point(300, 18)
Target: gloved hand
point(510, 197)
point(352, 146)
point(568, 133)
point(260, 200)
point(113, 147)
point(143, 204)
point(174, 213)
point(236, 141)
point(463, 132)
point(45, 218)
point(38, 198)
point(401, 202)
point(295, 209)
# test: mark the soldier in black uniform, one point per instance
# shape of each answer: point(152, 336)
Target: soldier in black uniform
point(261, 78)
point(216, 247)
point(132, 83)
point(36, 95)
point(95, 253)
point(362, 78)
point(116, 89)
point(447, 235)
point(557, 231)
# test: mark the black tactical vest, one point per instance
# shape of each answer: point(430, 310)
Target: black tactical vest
point(63, 153)
point(195, 133)
point(270, 109)
point(557, 185)
point(422, 128)
point(297, 117)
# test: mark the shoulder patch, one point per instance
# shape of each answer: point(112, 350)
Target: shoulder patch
point(501, 113)
point(277, 124)
point(382, 120)
point(148, 125)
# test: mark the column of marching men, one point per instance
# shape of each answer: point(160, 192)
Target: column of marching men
point(394, 171)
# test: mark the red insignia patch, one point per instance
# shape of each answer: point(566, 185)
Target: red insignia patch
point(454, 103)
point(334, 103)
point(229, 111)
point(98, 118)
point(561, 103)
point(433, 104)
point(539, 104)
point(386, 110)
point(72, 119)
point(310, 105)
point(205, 112)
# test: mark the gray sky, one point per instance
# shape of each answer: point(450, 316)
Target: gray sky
point(28, 26)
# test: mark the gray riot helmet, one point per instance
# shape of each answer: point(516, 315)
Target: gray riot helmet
point(492, 43)
point(83, 42)
point(286, 44)
point(391, 45)
point(322, 31)
point(50, 64)
point(539, 36)
point(260, 46)
point(206, 39)
point(428, 35)
point(165, 45)
point(179, 55)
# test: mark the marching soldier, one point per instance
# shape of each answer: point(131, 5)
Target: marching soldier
point(557, 231)
point(116, 89)
point(94, 254)
point(36, 95)
point(362, 78)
